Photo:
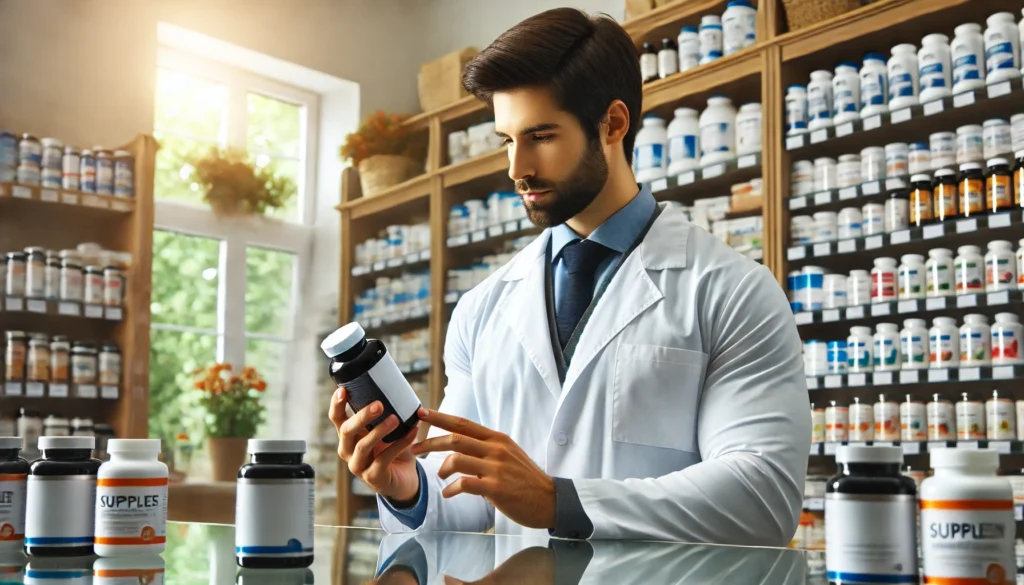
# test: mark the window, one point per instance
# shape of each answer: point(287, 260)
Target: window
point(225, 288)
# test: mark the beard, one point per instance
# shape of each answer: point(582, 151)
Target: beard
point(570, 196)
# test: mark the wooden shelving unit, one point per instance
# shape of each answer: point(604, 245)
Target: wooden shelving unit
point(760, 73)
point(59, 219)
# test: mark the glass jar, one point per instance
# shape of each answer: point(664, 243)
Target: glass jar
point(83, 363)
point(38, 360)
point(93, 293)
point(15, 285)
point(14, 356)
point(113, 286)
point(110, 365)
point(60, 359)
point(946, 201)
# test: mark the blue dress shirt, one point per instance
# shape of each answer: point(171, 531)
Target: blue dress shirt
point(618, 233)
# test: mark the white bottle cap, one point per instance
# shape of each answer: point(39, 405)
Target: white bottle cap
point(141, 446)
point(980, 458)
point(865, 454)
point(66, 443)
point(343, 339)
point(276, 446)
point(10, 442)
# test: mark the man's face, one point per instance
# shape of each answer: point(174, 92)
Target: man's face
point(558, 172)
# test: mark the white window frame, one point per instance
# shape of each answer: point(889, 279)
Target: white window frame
point(239, 234)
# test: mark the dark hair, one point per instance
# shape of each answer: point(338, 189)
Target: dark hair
point(586, 61)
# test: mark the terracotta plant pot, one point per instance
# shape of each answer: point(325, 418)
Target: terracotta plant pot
point(226, 456)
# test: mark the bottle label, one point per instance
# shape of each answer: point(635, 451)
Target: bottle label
point(973, 347)
point(999, 271)
point(913, 350)
point(885, 353)
point(871, 538)
point(274, 517)
point(883, 286)
point(912, 425)
point(940, 278)
point(941, 421)
point(910, 282)
point(942, 349)
point(969, 277)
point(649, 66)
point(12, 506)
point(796, 114)
point(999, 55)
point(872, 89)
point(901, 83)
point(1005, 344)
point(713, 138)
point(60, 510)
point(710, 43)
point(932, 74)
point(682, 148)
point(858, 355)
point(844, 98)
point(970, 421)
point(668, 63)
point(965, 67)
point(819, 103)
point(945, 201)
point(748, 135)
point(998, 193)
point(967, 541)
point(131, 511)
point(648, 156)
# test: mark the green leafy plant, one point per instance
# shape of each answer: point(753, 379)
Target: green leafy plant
point(232, 404)
point(234, 185)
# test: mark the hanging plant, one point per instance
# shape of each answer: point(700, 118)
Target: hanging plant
point(235, 185)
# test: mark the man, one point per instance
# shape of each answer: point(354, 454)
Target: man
point(627, 375)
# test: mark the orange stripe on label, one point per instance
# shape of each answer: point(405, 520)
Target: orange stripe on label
point(13, 477)
point(130, 540)
point(128, 573)
point(132, 482)
point(957, 581)
point(966, 504)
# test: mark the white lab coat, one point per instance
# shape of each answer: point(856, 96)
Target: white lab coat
point(684, 414)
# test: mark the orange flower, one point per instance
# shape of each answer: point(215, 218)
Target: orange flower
point(234, 380)
point(200, 385)
point(261, 386)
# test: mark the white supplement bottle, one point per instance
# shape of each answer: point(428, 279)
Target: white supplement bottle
point(1006, 339)
point(887, 347)
point(919, 159)
point(837, 423)
point(883, 280)
point(826, 174)
point(845, 94)
point(941, 419)
point(849, 223)
point(872, 163)
point(935, 67)
point(274, 506)
point(939, 271)
point(668, 59)
point(970, 419)
point(813, 288)
point(897, 211)
point(796, 110)
point(848, 170)
point(975, 341)
point(968, 52)
point(942, 148)
point(897, 159)
point(969, 270)
point(738, 26)
point(683, 147)
point(815, 358)
point(858, 289)
point(835, 297)
point(710, 38)
point(1000, 423)
point(1017, 133)
point(1020, 263)
point(859, 350)
point(903, 81)
point(874, 86)
point(1002, 48)
point(943, 343)
point(887, 419)
point(748, 129)
point(689, 48)
point(648, 65)
point(60, 503)
point(870, 512)
point(649, 152)
point(911, 277)
point(717, 131)
point(1000, 266)
point(970, 144)
point(825, 226)
point(13, 476)
point(996, 137)
point(819, 100)
point(913, 421)
point(131, 499)
point(967, 525)
point(862, 421)
point(914, 344)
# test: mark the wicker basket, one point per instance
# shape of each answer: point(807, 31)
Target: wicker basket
point(804, 13)
point(380, 171)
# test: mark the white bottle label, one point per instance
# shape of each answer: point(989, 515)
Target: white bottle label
point(796, 113)
point(682, 148)
point(130, 511)
point(748, 135)
point(844, 96)
point(710, 43)
point(713, 138)
point(649, 66)
point(968, 541)
point(12, 506)
point(970, 277)
point(912, 347)
point(649, 156)
point(932, 72)
point(870, 538)
point(965, 64)
point(944, 349)
point(819, 103)
point(59, 510)
point(858, 354)
point(274, 517)
point(689, 52)
point(901, 81)
point(872, 88)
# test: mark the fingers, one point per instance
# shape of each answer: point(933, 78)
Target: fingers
point(453, 442)
point(355, 427)
point(455, 424)
point(378, 469)
point(464, 464)
point(337, 412)
point(466, 485)
point(362, 454)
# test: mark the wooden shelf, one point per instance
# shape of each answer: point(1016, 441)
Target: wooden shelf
point(667, 18)
point(713, 77)
point(415, 188)
point(67, 197)
point(485, 165)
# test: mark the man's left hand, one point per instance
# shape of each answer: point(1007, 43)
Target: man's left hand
point(492, 466)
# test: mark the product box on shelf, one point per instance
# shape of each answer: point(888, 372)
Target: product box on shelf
point(440, 80)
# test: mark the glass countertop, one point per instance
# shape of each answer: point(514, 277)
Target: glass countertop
point(200, 554)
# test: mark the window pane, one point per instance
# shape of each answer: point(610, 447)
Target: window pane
point(172, 179)
point(268, 291)
point(173, 356)
point(190, 106)
point(274, 126)
point(272, 359)
point(185, 279)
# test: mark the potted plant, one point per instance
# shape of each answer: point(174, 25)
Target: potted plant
point(235, 185)
point(233, 413)
point(386, 151)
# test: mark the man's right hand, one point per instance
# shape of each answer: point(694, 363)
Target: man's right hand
point(388, 468)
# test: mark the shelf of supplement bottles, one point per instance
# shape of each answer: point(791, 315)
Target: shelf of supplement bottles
point(14, 388)
point(963, 107)
point(692, 184)
point(419, 366)
point(410, 260)
point(519, 227)
point(907, 236)
point(818, 505)
point(1007, 300)
point(866, 192)
point(399, 320)
point(67, 197)
point(72, 309)
point(922, 447)
point(897, 378)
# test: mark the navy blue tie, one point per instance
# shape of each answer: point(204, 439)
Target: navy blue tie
point(581, 258)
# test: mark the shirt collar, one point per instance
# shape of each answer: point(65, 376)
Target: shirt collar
point(618, 232)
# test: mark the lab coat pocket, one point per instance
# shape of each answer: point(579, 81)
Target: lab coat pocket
point(656, 393)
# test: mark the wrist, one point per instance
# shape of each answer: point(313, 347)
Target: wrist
point(407, 498)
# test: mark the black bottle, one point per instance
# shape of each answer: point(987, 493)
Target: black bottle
point(61, 498)
point(368, 373)
point(649, 63)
